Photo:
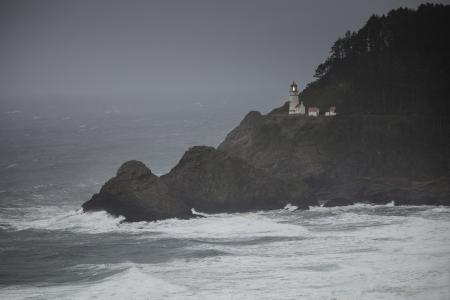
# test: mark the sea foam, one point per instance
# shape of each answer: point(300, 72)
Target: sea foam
point(239, 225)
point(131, 282)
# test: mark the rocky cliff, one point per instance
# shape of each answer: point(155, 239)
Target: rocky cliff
point(206, 179)
point(138, 195)
point(354, 158)
point(212, 181)
point(271, 160)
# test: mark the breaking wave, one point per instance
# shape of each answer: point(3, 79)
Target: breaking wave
point(375, 252)
point(131, 281)
point(238, 225)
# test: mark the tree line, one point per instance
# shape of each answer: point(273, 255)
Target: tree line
point(398, 63)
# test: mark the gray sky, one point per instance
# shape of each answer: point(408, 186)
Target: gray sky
point(210, 49)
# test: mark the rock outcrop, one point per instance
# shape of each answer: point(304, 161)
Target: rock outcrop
point(212, 181)
point(273, 160)
point(206, 179)
point(339, 201)
point(138, 195)
point(350, 158)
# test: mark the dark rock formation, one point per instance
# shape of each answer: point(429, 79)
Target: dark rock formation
point(359, 158)
point(282, 110)
point(206, 179)
point(338, 202)
point(270, 161)
point(213, 181)
point(138, 195)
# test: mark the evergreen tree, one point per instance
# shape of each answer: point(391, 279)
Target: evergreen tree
point(397, 63)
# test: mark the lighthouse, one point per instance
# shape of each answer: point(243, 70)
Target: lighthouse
point(295, 107)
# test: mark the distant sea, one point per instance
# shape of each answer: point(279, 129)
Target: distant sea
point(55, 156)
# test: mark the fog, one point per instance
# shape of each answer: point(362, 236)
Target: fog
point(227, 55)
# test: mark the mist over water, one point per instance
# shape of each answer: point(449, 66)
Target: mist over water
point(55, 156)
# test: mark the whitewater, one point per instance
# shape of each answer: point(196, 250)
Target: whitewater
point(49, 249)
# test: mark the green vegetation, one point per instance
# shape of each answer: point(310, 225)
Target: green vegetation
point(397, 63)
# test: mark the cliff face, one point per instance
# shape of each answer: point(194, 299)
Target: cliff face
point(206, 179)
point(212, 181)
point(373, 158)
point(138, 195)
point(269, 161)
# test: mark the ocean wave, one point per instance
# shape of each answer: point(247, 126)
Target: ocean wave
point(131, 281)
point(282, 223)
point(238, 225)
point(375, 222)
point(400, 257)
point(73, 220)
point(370, 207)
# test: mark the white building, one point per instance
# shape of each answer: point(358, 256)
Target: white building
point(331, 112)
point(295, 108)
point(301, 108)
point(313, 111)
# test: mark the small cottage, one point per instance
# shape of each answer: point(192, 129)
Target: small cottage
point(331, 112)
point(313, 111)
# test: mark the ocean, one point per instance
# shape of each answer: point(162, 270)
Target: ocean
point(54, 157)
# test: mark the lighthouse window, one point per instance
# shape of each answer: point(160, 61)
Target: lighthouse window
point(293, 88)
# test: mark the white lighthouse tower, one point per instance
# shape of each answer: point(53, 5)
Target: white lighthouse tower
point(295, 107)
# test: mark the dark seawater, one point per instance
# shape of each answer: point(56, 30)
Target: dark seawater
point(54, 158)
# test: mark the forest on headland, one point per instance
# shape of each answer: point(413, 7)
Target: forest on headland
point(398, 63)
